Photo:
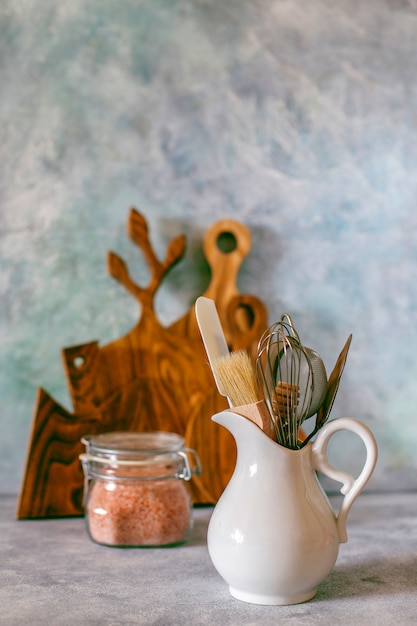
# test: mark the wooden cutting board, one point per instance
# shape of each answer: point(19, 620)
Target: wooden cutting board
point(153, 378)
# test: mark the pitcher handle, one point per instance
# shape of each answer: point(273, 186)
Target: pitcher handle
point(351, 487)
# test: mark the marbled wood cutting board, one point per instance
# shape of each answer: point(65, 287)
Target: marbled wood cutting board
point(153, 378)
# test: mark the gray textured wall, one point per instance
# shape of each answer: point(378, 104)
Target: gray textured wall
point(297, 118)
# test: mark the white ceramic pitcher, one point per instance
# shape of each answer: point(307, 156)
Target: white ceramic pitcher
point(273, 535)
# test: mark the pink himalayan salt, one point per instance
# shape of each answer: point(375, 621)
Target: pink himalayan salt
point(139, 513)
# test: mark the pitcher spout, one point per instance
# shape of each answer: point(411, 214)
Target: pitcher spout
point(245, 424)
point(234, 422)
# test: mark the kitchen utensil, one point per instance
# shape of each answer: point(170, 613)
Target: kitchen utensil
point(212, 334)
point(94, 371)
point(243, 319)
point(332, 389)
point(292, 377)
point(229, 371)
point(317, 366)
point(236, 378)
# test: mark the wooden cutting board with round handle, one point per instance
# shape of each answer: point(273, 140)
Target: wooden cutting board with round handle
point(243, 318)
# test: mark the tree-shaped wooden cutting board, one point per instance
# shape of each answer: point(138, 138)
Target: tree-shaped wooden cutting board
point(153, 378)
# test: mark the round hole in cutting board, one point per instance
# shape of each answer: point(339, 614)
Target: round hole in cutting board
point(244, 317)
point(226, 242)
point(78, 361)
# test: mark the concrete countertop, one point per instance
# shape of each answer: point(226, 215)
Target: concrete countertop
point(52, 573)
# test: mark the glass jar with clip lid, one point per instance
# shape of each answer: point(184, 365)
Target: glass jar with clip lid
point(135, 490)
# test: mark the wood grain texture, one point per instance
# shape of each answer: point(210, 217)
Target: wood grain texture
point(153, 378)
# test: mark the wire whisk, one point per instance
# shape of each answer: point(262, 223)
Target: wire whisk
point(292, 378)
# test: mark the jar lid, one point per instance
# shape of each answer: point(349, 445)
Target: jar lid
point(133, 444)
point(121, 449)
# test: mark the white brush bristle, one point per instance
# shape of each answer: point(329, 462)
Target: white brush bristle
point(236, 378)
